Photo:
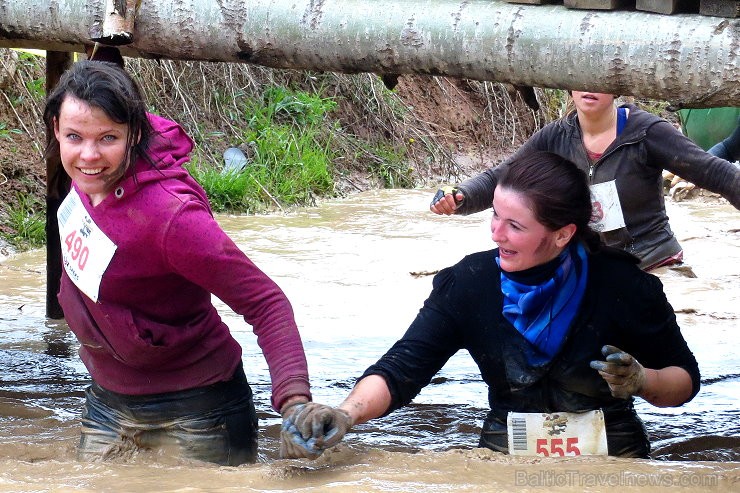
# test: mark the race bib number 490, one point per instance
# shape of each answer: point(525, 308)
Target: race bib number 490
point(557, 434)
point(86, 251)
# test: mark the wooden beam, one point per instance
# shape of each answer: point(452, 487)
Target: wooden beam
point(690, 61)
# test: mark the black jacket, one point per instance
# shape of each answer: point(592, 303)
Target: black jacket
point(636, 160)
point(623, 306)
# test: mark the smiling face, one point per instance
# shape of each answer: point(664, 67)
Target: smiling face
point(523, 242)
point(92, 147)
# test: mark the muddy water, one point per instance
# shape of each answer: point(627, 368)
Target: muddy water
point(348, 266)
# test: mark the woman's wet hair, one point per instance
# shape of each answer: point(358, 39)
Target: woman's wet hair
point(106, 86)
point(557, 192)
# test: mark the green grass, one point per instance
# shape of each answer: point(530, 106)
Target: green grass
point(7, 133)
point(290, 152)
point(226, 192)
point(387, 164)
point(657, 108)
point(36, 86)
point(554, 103)
point(25, 226)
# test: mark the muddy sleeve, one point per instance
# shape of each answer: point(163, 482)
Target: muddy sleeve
point(652, 334)
point(671, 150)
point(478, 190)
point(199, 250)
point(432, 338)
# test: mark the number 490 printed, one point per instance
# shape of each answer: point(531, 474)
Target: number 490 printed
point(554, 447)
point(76, 249)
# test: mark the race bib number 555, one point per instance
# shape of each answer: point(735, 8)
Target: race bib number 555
point(557, 434)
point(86, 251)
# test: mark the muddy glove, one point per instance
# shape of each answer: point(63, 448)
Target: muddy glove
point(624, 374)
point(310, 428)
point(448, 190)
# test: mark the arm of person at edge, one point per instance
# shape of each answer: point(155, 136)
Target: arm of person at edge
point(729, 148)
point(476, 193)
point(369, 399)
point(669, 149)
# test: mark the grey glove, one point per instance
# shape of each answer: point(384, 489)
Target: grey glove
point(624, 374)
point(309, 429)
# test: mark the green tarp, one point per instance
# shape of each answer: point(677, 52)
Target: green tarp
point(707, 126)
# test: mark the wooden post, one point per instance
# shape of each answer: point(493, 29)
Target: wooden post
point(57, 186)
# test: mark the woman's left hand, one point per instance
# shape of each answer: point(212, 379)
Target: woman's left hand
point(309, 429)
point(624, 374)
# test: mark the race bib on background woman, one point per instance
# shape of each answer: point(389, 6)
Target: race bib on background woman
point(557, 434)
point(86, 251)
point(607, 210)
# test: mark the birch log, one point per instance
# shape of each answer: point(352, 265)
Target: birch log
point(688, 60)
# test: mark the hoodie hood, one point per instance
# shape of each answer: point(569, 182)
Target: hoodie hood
point(169, 150)
point(170, 146)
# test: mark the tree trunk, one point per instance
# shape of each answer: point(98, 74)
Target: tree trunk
point(688, 60)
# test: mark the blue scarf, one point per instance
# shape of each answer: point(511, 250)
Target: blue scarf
point(543, 312)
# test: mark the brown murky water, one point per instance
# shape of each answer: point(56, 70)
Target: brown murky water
point(347, 267)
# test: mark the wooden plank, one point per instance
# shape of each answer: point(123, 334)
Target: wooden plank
point(667, 6)
point(599, 4)
point(720, 8)
point(532, 2)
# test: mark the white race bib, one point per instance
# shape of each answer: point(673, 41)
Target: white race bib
point(557, 434)
point(607, 211)
point(86, 251)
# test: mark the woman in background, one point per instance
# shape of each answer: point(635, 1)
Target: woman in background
point(623, 150)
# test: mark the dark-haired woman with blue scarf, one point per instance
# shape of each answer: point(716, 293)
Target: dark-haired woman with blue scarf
point(566, 332)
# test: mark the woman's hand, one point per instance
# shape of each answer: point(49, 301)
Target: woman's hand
point(666, 387)
point(446, 200)
point(624, 374)
point(310, 428)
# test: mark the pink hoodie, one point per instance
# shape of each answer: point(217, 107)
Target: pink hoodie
point(154, 328)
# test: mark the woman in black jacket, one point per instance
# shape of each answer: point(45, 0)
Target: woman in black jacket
point(562, 328)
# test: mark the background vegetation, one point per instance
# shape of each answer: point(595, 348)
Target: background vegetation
point(304, 135)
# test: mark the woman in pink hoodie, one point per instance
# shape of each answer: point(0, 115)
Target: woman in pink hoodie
point(142, 256)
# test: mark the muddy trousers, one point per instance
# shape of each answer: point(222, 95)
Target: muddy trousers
point(216, 423)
